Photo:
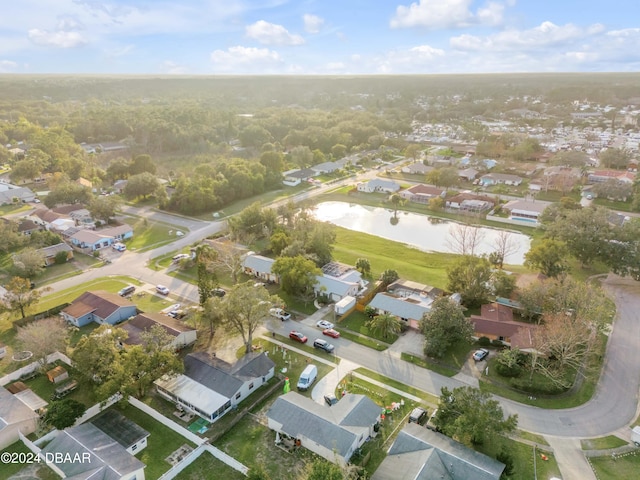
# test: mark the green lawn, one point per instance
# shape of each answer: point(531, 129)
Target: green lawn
point(602, 443)
point(203, 467)
point(162, 441)
point(622, 467)
point(449, 365)
point(150, 234)
point(293, 362)
point(9, 469)
point(366, 341)
point(356, 321)
point(427, 397)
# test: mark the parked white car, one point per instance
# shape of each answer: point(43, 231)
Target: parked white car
point(323, 324)
point(161, 289)
point(120, 247)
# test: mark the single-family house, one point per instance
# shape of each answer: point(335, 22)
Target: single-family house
point(338, 281)
point(209, 386)
point(11, 194)
point(83, 219)
point(50, 253)
point(600, 176)
point(334, 433)
point(15, 416)
point(408, 308)
point(378, 185)
point(500, 179)
point(467, 201)
point(182, 334)
point(93, 240)
point(84, 182)
point(468, 174)
point(260, 267)
point(45, 217)
point(99, 455)
point(417, 168)
point(100, 307)
point(422, 454)
point(325, 167)
point(28, 226)
point(131, 436)
point(421, 193)
point(496, 323)
point(524, 210)
point(297, 176)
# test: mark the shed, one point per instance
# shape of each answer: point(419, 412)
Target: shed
point(344, 305)
point(57, 374)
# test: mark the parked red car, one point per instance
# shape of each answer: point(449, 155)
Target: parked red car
point(330, 332)
point(297, 336)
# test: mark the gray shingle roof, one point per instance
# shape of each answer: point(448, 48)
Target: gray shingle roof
point(211, 372)
point(400, 307)
point(109, 460)
point(335, 428)
point(258, 263)
point(420, 454)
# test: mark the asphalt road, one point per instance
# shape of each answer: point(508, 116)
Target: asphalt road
point(613, 406)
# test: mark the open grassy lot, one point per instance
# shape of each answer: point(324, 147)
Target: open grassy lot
point(162, 441)
point(147, 235)
point(602, 443)
point(205, 465)
point(622, 466)
point(427, 397)
point(449, 365)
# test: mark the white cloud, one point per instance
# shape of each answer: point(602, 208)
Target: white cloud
point(7, 66)
point(173, 68)
point(545, 35)
point(425, 51)
point(440, 14)
point(272, 34)
point(58, 39)
point(119, 51)
point(245, 59)
point(312, 23)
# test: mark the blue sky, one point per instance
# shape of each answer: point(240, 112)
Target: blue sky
point(318, 36)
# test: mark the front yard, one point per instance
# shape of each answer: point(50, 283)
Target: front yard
point(150, 234)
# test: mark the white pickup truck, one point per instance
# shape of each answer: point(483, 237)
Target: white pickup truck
point(280, 313)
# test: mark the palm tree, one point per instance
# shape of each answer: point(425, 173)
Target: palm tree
point(384, 325)
point(397, 202)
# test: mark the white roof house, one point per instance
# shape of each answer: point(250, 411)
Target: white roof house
point(525, 211)
point(15, 416)
point(408, 308)
point(379, 185)
point(259, 266)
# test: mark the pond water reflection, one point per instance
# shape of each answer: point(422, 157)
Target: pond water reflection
point(427, 233)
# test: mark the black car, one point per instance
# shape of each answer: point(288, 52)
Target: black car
point(218, 292)
point(418, 415)
point(330, 399)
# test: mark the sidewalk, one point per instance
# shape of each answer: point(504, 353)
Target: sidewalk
point(570, 457)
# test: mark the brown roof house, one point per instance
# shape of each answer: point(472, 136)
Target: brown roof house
point(52, 251)
point(100, 307)
point(496, 323)
point(181, 333)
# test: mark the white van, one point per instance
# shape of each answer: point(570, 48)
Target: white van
point(307, 377)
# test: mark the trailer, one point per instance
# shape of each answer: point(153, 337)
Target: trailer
point(344, 305)
point(635, 436)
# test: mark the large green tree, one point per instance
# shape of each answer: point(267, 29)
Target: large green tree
point(245, 307)
point(548, 256)
point(297, 274)
point(28, 263)
point(64, 413)
point(472, 416)
point(141, 185)
point(623, 253)
point(20, 296)
point(205, 268)
point(471, 277)
point(98, 352)
point(105, 207)
point(385, 325)
point(444, 326)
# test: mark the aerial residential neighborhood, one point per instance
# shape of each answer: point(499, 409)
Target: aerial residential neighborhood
point(379, 280)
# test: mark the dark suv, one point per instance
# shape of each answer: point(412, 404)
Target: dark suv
point(418, 415)
point(323, 345)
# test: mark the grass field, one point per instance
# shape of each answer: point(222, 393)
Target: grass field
point(356, 321)
point(622, 467)
point(602, 443)
point(449, 365)
point(162, 441)
point(203, 467)
point(147, 235)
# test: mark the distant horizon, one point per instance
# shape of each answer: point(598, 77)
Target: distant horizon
point(317, 38)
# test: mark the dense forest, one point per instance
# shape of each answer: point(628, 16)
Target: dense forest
point(218, 139)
